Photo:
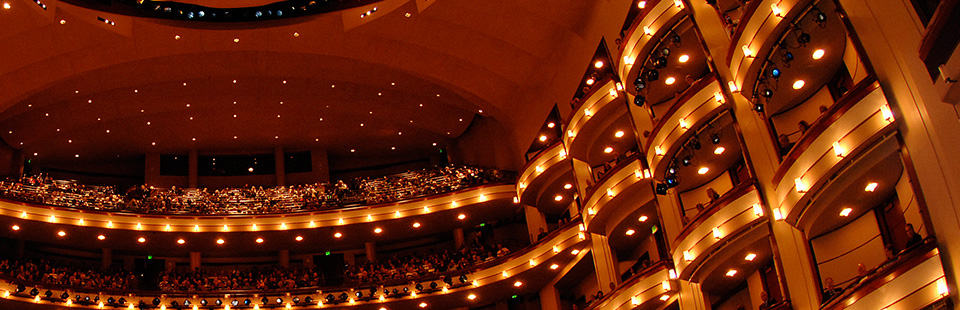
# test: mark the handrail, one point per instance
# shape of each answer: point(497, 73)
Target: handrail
point(681, 100)
point(859, 91)
point(730, 196)
point(634, 25)
point(747, 14)
point(646, 272)
point(886, 272)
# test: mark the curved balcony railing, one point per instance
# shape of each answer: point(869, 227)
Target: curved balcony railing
point(604, 106)
point(548, 159)
point(735, 212)
point(271, 222)
point(752, 36)
point(652, 286)
point(627, 187)
point(854, 126)
point(524, 270)
point(913, 280)
point(694, 110)
point(637, 42)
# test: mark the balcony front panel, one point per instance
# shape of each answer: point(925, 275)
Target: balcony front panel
point(620, 193)
point(650, 290)
point(641, 38)
point(530, 179)
point(757, 35)
point(696, 111)
point(914, 283)
point(600, 110)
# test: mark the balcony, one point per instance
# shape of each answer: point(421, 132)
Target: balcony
point(617, 196)
point(650, 289)
point(547, 180)
point(696, 108)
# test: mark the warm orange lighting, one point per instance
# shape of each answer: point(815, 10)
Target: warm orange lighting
point(703, 170)
point(337, 235)
point(757, 210)
point(838, 149)
point(733, 87)
point(141, 239)
point(800, 186)
point(630, 232)
point(718, 97)
point(750, 257)
point(551, 125)
point(642, 4)
point(517, 284)
point(731, 272)
point(575, 251)
point(716, 233)
point(62, 233)
point(670, 80)
point(567, 186)
point(259, 240)
point(608, 149)
point(886, 113)
point(423, 305)
point(471, 296)
point(618, 134)
point(683, 58)
point(845, 212)
point(558, 197)
point(15, 227)
point(598, 64)
point(747, 52)
point(220, 241)
point(461, 216)
point(872, 186)
point(777, 215)
point(590, 81)
point(101, 237)
point(298, 238)
point(798, 84)
point(687, 256)
point(818, 53)
point(643, 218)
point(554, 266)
point(647, 30)
point(719, 150)
point(6, 5)
point(664, 297)
point(628, 60)
point(416, 225)
point(377, 230)
point(543, 138)
point(777, 11)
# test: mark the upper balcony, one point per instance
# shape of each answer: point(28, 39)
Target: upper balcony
point(651, 288)
point(645, 33)
point(547, 180)
point(698, 106)
point(754, 31)
point(522, 272)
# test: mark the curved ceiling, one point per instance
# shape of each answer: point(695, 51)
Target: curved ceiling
point(460, 59)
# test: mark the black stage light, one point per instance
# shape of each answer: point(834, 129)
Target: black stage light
point(715, 138)
point(48, 294)
point(34, 292)
point(758, 107)
point(246, 302)
point(20, 288)
point(671, 171)
point(767, 93)
point(218, 302)
point(463, 278)
point(395, 292)
point(660, 62)
point(686, 161)
point(64, 295)
point(86, 299)
point(406, 289)
point(820, 18)
point(264, 300)
point(661, 189)
point(665, 51)
point(652, 75)
point(203, 302)
point(419, 287)
point(359, 294)
point(174, 304)
point(121, 301)
point(111, 301)
point(330, 298)
point(775, 73)
point(296, 300)
point(672, 181)
point(803, 38)
point(343, 296)
point(675, 38)
point(695, 144)
point(308, 300)
point(787, 57)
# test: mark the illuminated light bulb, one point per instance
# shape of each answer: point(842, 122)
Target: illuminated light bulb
point(23, 214)
point(571, 134)
point(543, 138)
point(562, 154)
point(181, 241)
point(630, 232)
point(422, 305)
point(664, 297)
point(703, 170)
point(647, 31)
point(747, 52)
point(471, 296)
point(845, 212)
point(504, 274)
point(647, 174)
point(757, 210)
point(253, 227)
point(313, 224)
point(687, 256)
point(427, 209)
point(582, 227)
point(369, 217)
point(298, 238)
point(608, 149)
point(130, 306)
point(283, 225)
point(886, 113)
point(658, 150)
point(638, 173)
point(731, 272)
point(800, 186)
point(141, 240)
point(6, 5)
point(598, 64)
point(61, 233)
point(618, 134)
point(629, 60)
point(716, 233)
point(718, 97)
point(798, 84)
point(837, 149)
point(482, 197)
point(610, 192)
point(532, 262)
point(678, 4)
point(416, 225)
point(225, 228)
point(69, 302)
point(665, 285)
point(53, 219)
point(517, 284)
point(516, 200)
point(556, 249)
point(683, 58)
point(554, 266)
point(259, 240)
point(613, 92)
point(196, 227)
point(777, 11)
point(461, 216)
point(539, 169)
point(377, 230)
point(167, 227)
point(475, 283)
point(643, 218)
point(750, 257)
point(340, 220)
point(558, 197)
point(81, 222)
point(101, 237)
point(670, 80)
point(453, 204)
point(634, 300)
point(942, 289)
point(719, 150)
point(872, 186)
point(567, 186)
point(777, 215)
point(818, 53)
point(642, 4)
point(575, 251)
point(733, 87)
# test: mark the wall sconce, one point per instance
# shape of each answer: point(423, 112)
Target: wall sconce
point(757, 210)
point(838, 149)
point(886, 113)
point(800, 186)
point(775, 8)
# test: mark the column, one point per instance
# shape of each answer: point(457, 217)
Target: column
point(671, 217)
point(691, 296)
point(458, 237)
point(278, 165)
point(283, 256)
point(604, 263)
point(793, 251)
point(536, 222)
point(106, 258)
point(370, 249)
point(192, 158)
point(549, 297)
point(194, 260)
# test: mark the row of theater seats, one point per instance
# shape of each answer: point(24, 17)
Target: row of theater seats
point(250, 200)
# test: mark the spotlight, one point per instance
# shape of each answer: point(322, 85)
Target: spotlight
point(359, 294)
point(652, 75)
point(218, 302)
point(448, 281)
point(675, 38)
point(665, 51)
point(34, 292)
point(308, 300)
point(330, 298)
point(433, 285)
point(787, 57)
point(111, 301)
point(775, 73)
point(660, 62)
point(203, 302)
point(235, 303)
point(686, 161)
point(758, 107)
point(671, 171)
point(463, 279)
point(672, 181)
point(820, 18)
point(186, 302)
point(343, 296)
point(661, 189)
point(264, 300)
point(419, 287)
point(20, 288)
point(695, 143)
point(48, 294)
point(174, 304)
point(715, 138)
point(64, 295)
point(296, 300)
point(639, 100)
point(767, 93)
point(803, 38)
point(279, 300)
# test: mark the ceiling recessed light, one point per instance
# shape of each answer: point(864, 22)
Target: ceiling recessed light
point(598, 64)
point(101, 237)
point(61, 233)
point(298, 238)
point(630, 232)
point(6, 5)
point(575, 251)
point(377, 230)
point(472, 296)
point(551, 125)
point(719, 150)
point(567, 186)
point(543, 138)
point(670, 80)
point(220, 241)
point(558, 197)
point(259, 240)
point(461, 216)
point(798, 84)
point(683, 58)
point(141, 240)
point(643, 218)
point(731, 272)
point(337, 235)
point(422, 305)
point(517, 284)
point(15, 227)
point(554, 266)
point(818, 53)
point(608, 149)
point(618, 134)
point(845, 212)
point(181, 241)
point(750, 257)
point(872, 186)
point(416, 225)
point(703, 170)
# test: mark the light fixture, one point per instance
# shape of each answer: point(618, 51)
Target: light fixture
point(750, 257)
point(377, 230)
point(733, 87)
point(643, 218)
point(471, 296)
point(543, 138)
point(872, 186)
point(731, 273)
point(517, 284)
point(683, 58)
point(422, 305)
point(62, 233)
point(618, 134)
point(777, 11)
point(298, 238)
point(220, 241)
point(818, 53)
point(567, 186)
point(837, 149)
point(598, 64)
point(719, 150)
point(886, 113)
point(747, 52)
point(6, 5)
point(101, 237)
point(590, 81)
point(416, 225)
point(845, 212)
point(800, 186)
point(703, 170)
point(777, 215)
point(716, 233)
point(554, 266)
point(757, 210)
point(558, 197)
point(630, 232)
point(141, 240)
point(181, 241)
point(259, 240)
point(670, 80)
point(551, 125)
point(608, 149)
point(798, 84)
point(461, 216)
point(575, 251)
